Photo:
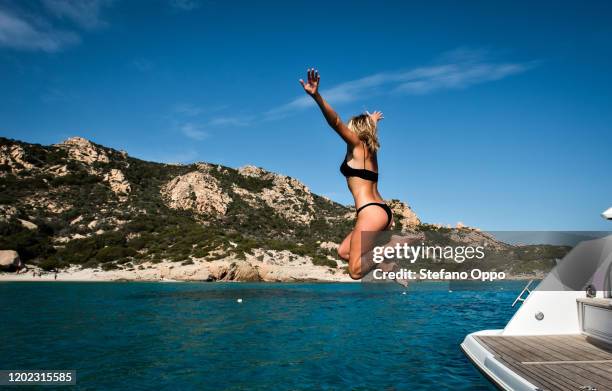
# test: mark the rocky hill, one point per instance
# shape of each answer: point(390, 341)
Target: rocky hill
point(81, 206)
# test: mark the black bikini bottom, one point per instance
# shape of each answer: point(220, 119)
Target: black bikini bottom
point(382, 205)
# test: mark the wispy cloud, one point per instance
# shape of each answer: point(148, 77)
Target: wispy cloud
point(230, 121)
point(195, 122)
point(143, 65)
point(193, 131)
point(185, 5)
point(461, 69)
point(55, 95)
point(18, 33)
point(458, 69)
point(20, 29)
point(85, 13)
point(454, 76)
point(188, 109)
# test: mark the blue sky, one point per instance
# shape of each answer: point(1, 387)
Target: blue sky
point(498, 114)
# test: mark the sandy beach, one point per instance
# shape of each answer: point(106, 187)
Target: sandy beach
point(219, 270)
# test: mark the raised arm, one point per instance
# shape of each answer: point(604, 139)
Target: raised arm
point(333, 119)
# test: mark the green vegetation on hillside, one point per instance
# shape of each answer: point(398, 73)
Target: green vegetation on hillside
point(142, 227)
point(81, 221)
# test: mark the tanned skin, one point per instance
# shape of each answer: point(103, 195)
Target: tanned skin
point(370, 219)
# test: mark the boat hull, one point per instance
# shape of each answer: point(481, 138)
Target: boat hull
point(500, 375)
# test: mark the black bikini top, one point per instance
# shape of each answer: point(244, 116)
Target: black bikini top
point(362, 173)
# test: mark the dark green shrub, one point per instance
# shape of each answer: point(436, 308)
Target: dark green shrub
point(109, 266)
point(30, 244)
point(320, 261)
point(114, 253)
point(51, 264)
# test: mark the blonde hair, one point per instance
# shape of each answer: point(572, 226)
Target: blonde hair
point(365, 128)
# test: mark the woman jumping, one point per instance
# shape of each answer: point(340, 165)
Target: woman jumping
point(360, 167)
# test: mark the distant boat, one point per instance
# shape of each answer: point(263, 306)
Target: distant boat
point(561, 337)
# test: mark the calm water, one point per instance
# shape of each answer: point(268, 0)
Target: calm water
point(283, 336)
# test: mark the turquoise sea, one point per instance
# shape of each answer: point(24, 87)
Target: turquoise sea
point(281, 337)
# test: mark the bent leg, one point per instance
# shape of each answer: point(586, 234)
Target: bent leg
point(371, 219)
point(344, 250)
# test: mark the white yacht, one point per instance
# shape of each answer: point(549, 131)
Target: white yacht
point(561, 336)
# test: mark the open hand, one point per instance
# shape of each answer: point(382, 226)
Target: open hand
point(312, 84)
point(376, 116)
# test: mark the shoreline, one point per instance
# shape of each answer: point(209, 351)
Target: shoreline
point(91, 275)
point(230, 269)
point(224, 270)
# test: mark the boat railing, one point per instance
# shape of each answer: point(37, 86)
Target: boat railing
point(520, 296)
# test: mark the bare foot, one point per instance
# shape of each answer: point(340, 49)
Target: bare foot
point(389, 266)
